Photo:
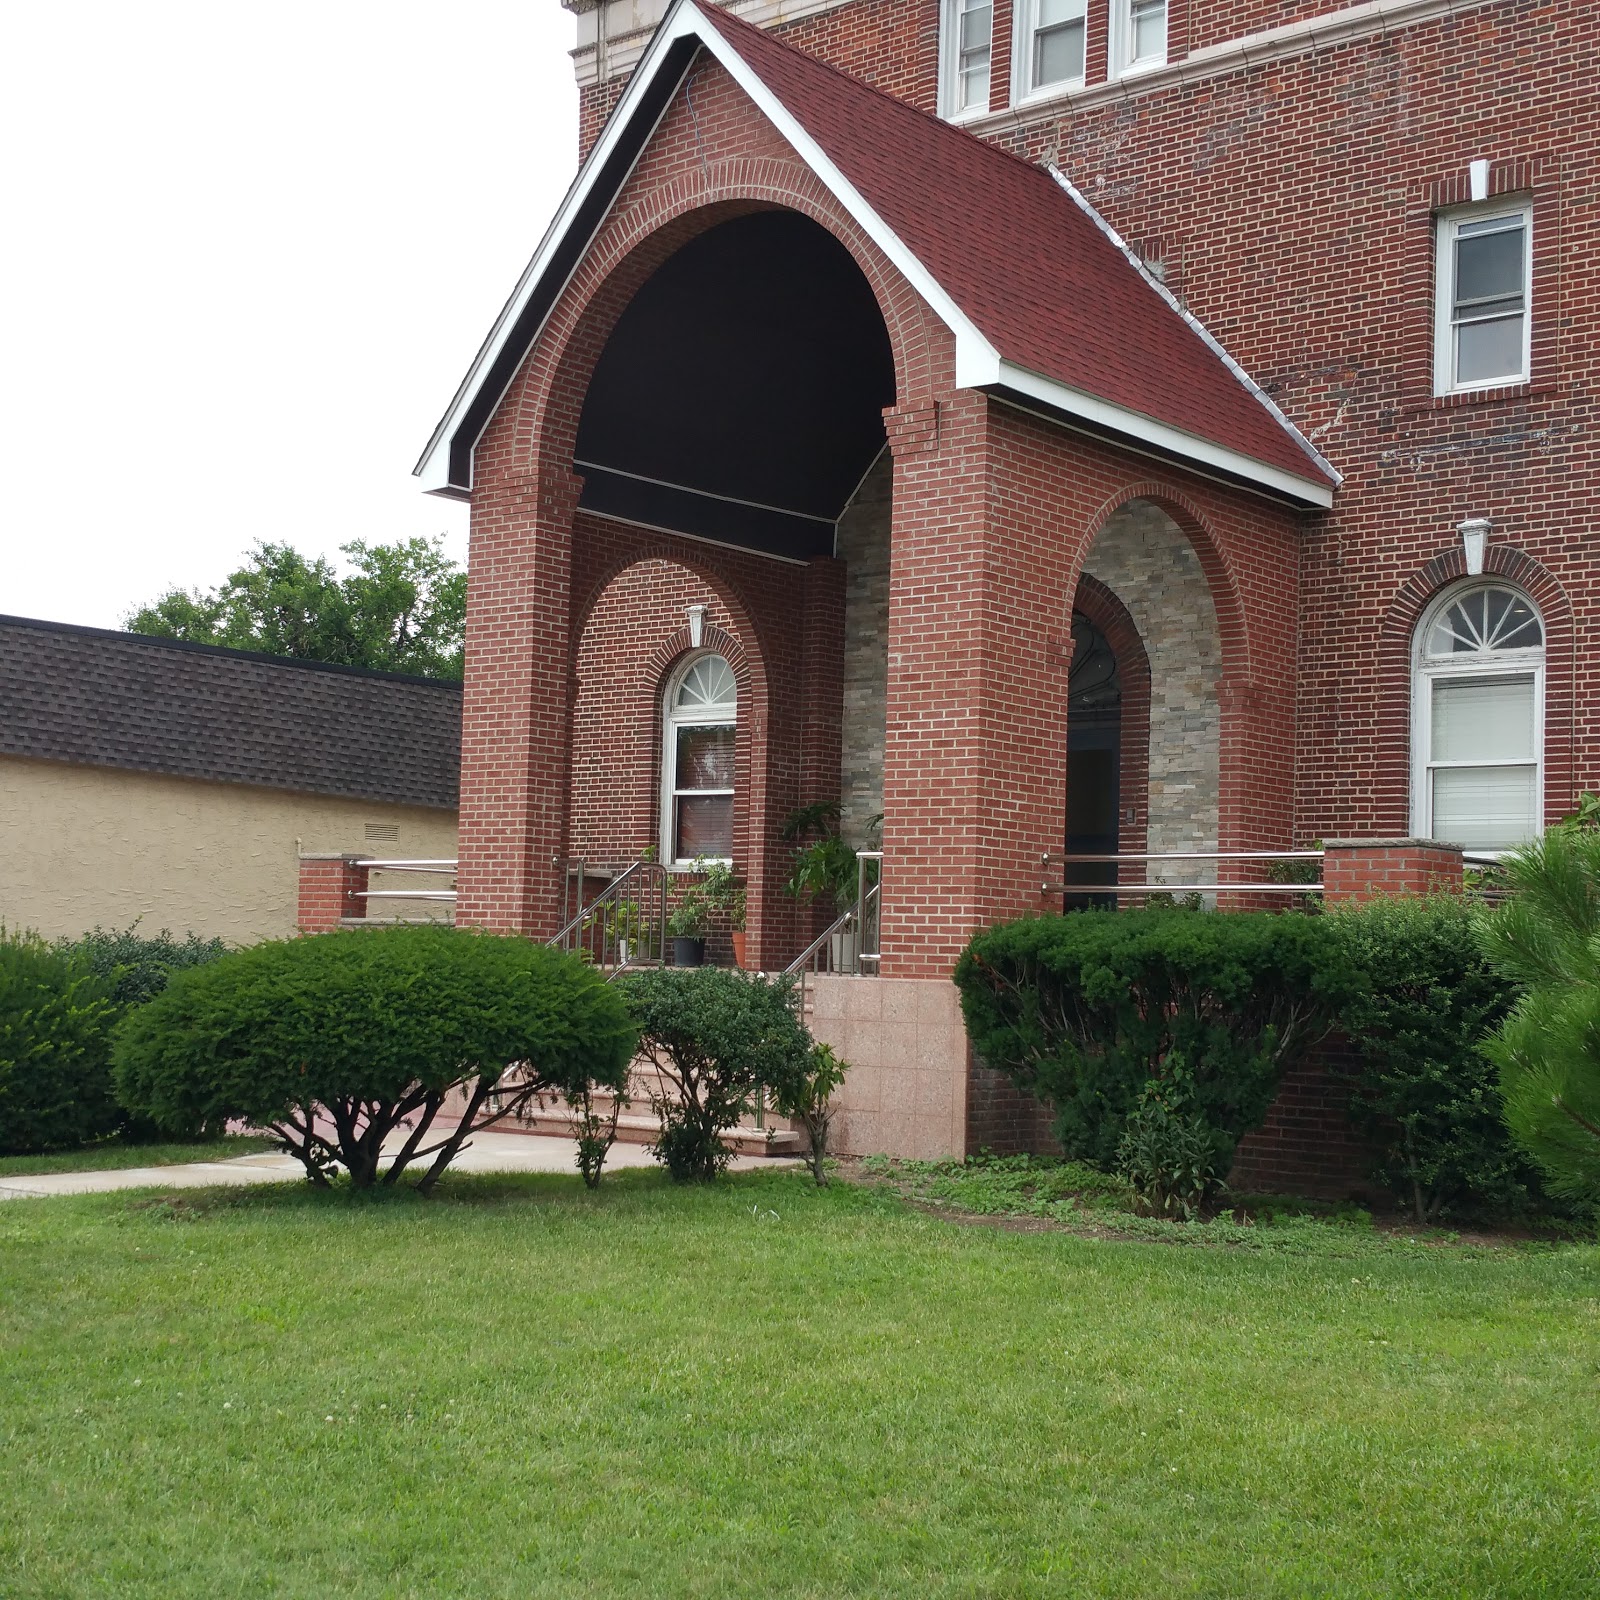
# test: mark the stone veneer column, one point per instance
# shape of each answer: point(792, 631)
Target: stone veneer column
point(516, 706)
point(974, 753)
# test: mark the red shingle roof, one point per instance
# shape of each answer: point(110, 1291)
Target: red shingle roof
point(1019, 257)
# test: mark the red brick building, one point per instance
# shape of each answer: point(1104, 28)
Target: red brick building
point(1124, 423)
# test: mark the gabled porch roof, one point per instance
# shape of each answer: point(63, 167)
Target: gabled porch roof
point(1046, 305)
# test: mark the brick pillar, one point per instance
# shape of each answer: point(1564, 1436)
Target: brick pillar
point(1355, 870)
point(331, 888)
point(516, 706)
point(975, 738)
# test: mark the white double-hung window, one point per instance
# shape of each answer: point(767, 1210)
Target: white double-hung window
point(966, 50)
point(700, 724)
point(1050, 45)
point(1483, 283)
point(1138, 34)
point(1478, 719)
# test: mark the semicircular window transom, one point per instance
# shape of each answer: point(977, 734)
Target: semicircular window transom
point(707, 686)
point(1483, 620)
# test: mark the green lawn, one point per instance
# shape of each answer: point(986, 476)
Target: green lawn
point(112, 1153)
point(520, 1389)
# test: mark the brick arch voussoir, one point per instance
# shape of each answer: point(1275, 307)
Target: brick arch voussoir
point(546, 397)
point(1216, 563)
point(1395, 637)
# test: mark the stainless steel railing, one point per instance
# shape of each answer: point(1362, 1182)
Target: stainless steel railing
point(437, 867)
point(623, 926)
point(1291, 881)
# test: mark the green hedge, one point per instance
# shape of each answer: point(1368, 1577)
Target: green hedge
point(1426, 1094)
point(1090, 1008)
point(56, 1017)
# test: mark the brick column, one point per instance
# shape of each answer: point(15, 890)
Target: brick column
point(1356, 870)
point(975, 738)
point(516, 706)
point(330, 890)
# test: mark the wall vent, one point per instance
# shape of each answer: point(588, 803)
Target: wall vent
point(383, 832)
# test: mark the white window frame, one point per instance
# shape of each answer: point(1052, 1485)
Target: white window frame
point(1447, 225)
point(1023, 27)
point(1427, 670)
point(1121, 38)
point(950, 107)
point(674, 717)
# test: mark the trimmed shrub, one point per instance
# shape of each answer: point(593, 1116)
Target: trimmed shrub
point(1546, 940)
point(56, 1018)
point(1090, 1008)
point(334, 1042)
point(1426, 1094)
point(807, 1096)
point(717, 1037)
point(138, 967)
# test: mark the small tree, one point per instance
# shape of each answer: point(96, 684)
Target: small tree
point(807, 1096)
point(56, 1017)
point(1546, 939)
point(716, 1037)
point(336, 1042)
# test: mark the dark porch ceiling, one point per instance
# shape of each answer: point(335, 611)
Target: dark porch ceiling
point(740, 396)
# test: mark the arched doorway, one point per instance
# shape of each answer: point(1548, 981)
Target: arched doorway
point(1094, 761)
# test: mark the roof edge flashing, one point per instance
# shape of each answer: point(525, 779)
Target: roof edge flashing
point(1211, 341)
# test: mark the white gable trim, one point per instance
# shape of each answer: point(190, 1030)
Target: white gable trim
point(978, 363)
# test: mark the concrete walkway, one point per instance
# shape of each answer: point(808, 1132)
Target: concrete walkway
point(486, 1152)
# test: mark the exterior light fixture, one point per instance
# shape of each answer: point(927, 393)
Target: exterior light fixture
point(1474, 540)
point(697, 623)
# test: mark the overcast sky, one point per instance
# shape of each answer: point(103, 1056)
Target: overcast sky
point(248, 254)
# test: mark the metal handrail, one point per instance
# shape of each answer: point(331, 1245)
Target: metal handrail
point(580, 930)
point(435, 866)
point(1120, 890)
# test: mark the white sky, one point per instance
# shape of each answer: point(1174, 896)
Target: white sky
point(246, 254)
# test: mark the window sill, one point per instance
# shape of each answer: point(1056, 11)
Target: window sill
point(1503, 394)
point(1044, 95)
point(958, 119)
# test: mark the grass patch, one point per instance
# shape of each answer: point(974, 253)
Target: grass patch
point(108, 1155)
point(523, 1389)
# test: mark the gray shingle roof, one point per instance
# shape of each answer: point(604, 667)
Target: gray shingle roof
point(105, 699)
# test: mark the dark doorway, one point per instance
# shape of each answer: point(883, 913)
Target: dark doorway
point(1094, 762)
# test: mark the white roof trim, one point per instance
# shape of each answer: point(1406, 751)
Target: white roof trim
point(1162, 436)
point(978, 363)
point(1136, 261)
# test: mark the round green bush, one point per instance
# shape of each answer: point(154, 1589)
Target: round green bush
point(55, 1059)
point(338, 1040)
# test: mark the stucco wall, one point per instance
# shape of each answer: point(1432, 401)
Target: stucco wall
point(87, 845)
point(1146, 560)
point(862, 543)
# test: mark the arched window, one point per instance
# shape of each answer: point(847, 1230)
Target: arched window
point(697, 762)
point(1478, 719)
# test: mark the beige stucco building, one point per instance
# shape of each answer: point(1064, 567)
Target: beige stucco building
point(177, 785)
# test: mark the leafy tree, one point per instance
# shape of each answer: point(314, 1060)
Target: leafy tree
point(338, 1041)
point(402, 609)
point(805, 1092)
point(715, 1036)
point(1546, 939)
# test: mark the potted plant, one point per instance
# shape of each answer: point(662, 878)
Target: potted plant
point(625, 927)
point(724, 891)
point(826, 867)
point(688, 924)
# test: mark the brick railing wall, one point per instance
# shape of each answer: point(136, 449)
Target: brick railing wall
point(330, 890)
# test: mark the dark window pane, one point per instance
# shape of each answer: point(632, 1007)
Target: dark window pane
point(1489, 266)
point(705, 758)
point(704, 826)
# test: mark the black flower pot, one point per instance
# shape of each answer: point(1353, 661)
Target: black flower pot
point(688, 952)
